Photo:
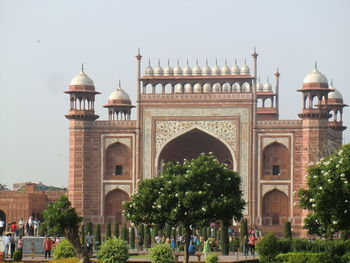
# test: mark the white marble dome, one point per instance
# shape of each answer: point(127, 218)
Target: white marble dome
point(215, 70)
point(225, 70)
point(259, 86)
point(206, 71)
point(120, 95)
point(186, 71)
point(315, 77)
point(334, 94)
point(149, 70)
point(167, 71)
point(158, 71)
point(196, 70)
point(245, 69)
point(267, 87)
point(177, 71)
point(235, 70)
point(81, 80)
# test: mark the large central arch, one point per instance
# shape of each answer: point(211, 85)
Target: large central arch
point(191, 144)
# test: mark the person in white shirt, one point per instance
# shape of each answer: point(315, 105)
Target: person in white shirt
point(36, 227)
point(7, 243)
point(2, 227)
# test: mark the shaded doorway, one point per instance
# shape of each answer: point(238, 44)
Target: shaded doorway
point(114, 207)
point(275, 208)
point(191, 144)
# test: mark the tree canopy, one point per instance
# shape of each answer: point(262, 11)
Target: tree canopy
point(60, 217)
point(192, 194)
point(328, 194)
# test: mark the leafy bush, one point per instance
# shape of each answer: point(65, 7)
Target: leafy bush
point(162, 253)
point(65, 260)
point(63, 249)
point(268, 247)
point(113, 251)
point(17, 256)
point(304, 258)
point(211, 258)
point(284, 245)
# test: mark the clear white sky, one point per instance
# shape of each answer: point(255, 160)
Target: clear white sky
point(43, 43)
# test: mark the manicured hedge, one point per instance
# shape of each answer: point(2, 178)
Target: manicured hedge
point(304, 258)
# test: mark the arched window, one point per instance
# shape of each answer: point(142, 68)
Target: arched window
point(276, 162)
point(117, 162)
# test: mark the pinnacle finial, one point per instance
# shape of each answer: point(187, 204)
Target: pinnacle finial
point(245, 61)
point(216, 61)
point(236, 61)
point(267, 78)
point(197, 62)
point(138, 51)
point(158, 62)
point(316, 64)
point(331, 82)
point(149, 62)
point(225, 61)
point(254, 49)
point(177, 62)
point(187, 62)
point(119, 84)
point(168, 62)
point(82, 67)
point(206, 61)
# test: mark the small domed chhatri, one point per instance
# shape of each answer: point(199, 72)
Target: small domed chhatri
point(259, 86)
point(315, 76)
point(225, 70)
point(196, 70)
point(206, 71)
point(235, 70)
point(149, 70)
point(245, 69)
point(215, 70)
point(119, 97)
point(186, 71)
point(158, 71)
point(177, 71)
point(267, 86)
point(82, 80)
point(334, 94)
point(167, 71)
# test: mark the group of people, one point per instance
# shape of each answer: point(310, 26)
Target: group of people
point(28, 227)
point(13, 243)
point(249, 242)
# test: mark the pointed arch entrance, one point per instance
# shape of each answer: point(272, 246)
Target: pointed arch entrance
point(191, 144)
point(275, 208)
point(114, 207)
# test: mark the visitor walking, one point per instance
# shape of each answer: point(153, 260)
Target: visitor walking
point(20, 244)
point(89, 243)
point(47, 246)
point(206, 247)
point(7, 243)
point(12, 245)
point(252, 242)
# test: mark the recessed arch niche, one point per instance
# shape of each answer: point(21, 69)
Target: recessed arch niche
point(114, 205)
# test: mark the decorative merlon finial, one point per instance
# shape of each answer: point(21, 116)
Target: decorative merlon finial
point(178, 62)
point(187, 62)
point(216, 61)
point(168, 62)
point(245, 61)
point(158, 62)
point(267, 78)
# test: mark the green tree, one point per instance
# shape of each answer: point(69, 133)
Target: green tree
point(132, 238)
point(193, 193)
point(141, 235)
point(108, 231)
point(61, 217)
point(287, 230)
point(168, 230)
point(98, 236)
point(225, 247)
point(327, 195)
point(116, 229)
